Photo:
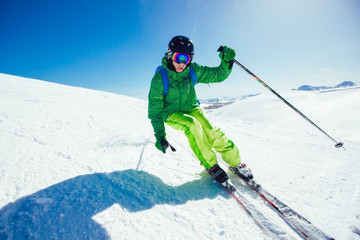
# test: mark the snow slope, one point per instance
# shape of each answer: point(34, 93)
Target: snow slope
point(81, 164)
point(337, 112)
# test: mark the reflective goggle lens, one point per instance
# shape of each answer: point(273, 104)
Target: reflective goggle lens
point(181, 58)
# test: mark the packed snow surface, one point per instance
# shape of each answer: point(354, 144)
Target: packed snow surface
point(81, 164)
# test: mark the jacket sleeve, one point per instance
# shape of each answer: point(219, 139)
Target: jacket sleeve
point(156, 105)
point(212, 74)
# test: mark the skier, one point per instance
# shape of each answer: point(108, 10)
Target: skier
point(178, 107)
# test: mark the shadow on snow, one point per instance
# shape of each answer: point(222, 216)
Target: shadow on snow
point(65, 210)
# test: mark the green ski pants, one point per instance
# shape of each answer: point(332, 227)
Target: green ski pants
point(203, 137)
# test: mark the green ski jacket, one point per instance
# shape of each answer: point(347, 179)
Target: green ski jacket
point(181, 95)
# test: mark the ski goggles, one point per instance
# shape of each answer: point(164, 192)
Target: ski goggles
point(181, 58)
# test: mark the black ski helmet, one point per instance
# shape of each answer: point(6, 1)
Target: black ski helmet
point(181, 44)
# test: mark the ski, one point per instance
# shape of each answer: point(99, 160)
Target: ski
point(267, 226)
point(303, 227)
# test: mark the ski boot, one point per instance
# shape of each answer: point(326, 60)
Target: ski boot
point(218, 173)
point(243, 172)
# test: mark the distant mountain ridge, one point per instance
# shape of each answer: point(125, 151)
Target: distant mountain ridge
point(213, 103)
point(317, 88)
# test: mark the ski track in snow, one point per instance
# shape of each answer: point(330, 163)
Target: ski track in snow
point(81, 164)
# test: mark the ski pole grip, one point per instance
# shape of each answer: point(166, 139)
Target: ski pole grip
point(220, 49)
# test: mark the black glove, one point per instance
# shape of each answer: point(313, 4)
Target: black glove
point(162, 144)
point(227, 55)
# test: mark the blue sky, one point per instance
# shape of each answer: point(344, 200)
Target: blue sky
point(116, 46)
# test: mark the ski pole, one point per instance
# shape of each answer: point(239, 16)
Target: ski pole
point(337, 144)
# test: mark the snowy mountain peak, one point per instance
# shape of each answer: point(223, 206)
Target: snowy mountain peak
point(312, 88)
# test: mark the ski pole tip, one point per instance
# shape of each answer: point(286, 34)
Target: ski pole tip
point(172, 148)
point(339, 144)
